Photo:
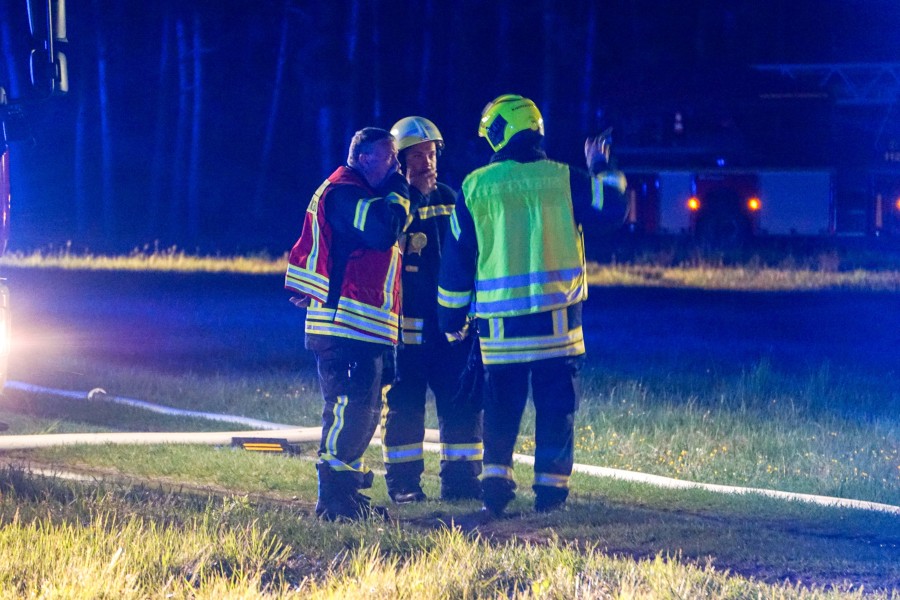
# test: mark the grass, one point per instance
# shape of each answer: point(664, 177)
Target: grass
point(269, 397)
point(618, 539)
point(699, 271)
point(713, 277)
point(145, 259)
point(154, 537)
point(822, 431)
point(756, 429)
point(102, 547)
point(196, 521)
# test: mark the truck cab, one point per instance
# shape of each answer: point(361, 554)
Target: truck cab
point(724, 206)
point(711, 205)
point(729, 206)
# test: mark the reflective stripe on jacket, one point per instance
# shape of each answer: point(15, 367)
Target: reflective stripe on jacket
point(368, 305)
point(530, 270)
point(530, 252)
point(421, 246)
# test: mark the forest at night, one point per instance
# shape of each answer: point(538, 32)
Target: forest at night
point(208, 125)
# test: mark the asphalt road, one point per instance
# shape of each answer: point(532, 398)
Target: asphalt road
point(215, 323)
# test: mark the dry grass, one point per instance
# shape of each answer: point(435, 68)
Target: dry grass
point(694, 275)
point(146, 259)
point(742, 278)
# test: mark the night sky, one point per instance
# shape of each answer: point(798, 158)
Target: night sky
point(209, 124)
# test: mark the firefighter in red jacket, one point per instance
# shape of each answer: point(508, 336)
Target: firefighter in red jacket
point(515, 257)
point(424, 358)
point(346, 269)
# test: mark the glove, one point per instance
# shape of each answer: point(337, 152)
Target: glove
point(458, 336)
point(300, 301)
point(596, 151)
point(396, 183)
point(471, 381)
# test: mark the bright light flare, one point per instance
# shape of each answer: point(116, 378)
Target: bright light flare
point(754, 204)
point(693, 204)
point(897, 204)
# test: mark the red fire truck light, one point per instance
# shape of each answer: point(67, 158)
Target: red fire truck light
point(693, 204)
point(753, 204)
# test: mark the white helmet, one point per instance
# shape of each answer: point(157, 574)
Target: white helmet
point(410, 131)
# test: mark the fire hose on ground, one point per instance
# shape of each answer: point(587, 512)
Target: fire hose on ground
point(266, 430)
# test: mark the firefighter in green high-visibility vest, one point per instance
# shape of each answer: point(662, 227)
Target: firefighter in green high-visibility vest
point(515, 258)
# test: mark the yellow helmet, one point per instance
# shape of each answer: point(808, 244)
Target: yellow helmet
point(410, 131)
point(507, 115)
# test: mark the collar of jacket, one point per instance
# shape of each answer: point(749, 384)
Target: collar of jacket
point(417, 198)
point(519, 153)
point(357, 173)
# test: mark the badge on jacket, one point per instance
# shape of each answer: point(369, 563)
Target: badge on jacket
point(416, 242)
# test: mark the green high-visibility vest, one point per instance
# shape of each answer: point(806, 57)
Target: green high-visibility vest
point(530, 250)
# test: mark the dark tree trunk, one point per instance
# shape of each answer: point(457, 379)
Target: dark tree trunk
point(176, 206)
point(588, 111)
point(108, 213)
point(160, 174)
point(504, 34)
point(326, 139)
point(81, 163)
point(353, 31)
point(266, 155)
point(427, 43)
point(357, 90)
point(193, 196)
point(377, 107)
point(549, 82)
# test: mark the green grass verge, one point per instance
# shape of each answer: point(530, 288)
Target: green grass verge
point(820, 434)
point(205, 522)
point(189, 521)
point(617, 536)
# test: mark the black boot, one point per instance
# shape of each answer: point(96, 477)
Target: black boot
point(497, 493)
point(549, 499)
point(459, 480)
point(339, 497)
point(408, 495)
point(403, 482)
point(460, 489)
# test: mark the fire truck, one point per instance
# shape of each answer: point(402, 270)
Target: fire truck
point(722, 205)
point(803, 150)
point(46, 22)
